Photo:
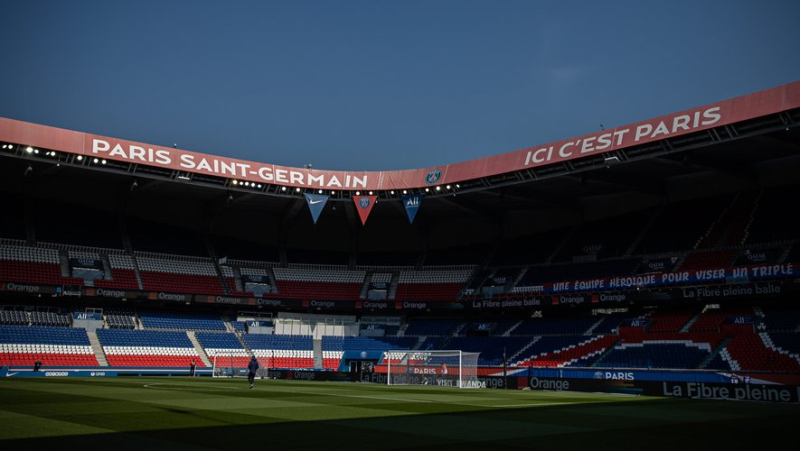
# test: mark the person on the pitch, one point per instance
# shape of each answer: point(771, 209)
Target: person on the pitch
point(252, 367)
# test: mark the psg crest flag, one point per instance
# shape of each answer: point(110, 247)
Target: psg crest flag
point(412, 203)
point(316, 202)
point(364, 206)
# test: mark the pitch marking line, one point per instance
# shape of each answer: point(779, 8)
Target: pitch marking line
point(542, 404)
point(169, 386)
point(162, 386)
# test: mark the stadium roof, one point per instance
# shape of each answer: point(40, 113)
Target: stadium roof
point(753, 142)
point(707, 125)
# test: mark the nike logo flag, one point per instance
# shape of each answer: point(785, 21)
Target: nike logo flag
point(316, 202)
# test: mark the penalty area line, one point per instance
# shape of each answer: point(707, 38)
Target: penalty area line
point(360, 396)
point(538, 404)
point(161, 386)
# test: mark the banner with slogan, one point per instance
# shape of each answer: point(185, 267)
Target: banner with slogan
point(412, 203)
point(364, 206)
point(729, 275)
point(316, 202)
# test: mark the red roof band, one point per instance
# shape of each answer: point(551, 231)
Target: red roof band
point(731, 111)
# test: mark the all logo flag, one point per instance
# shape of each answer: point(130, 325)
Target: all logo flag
point(364, 206)
point(316, 202)
point(412, 203)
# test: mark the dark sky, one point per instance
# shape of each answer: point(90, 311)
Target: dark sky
point(380, 84)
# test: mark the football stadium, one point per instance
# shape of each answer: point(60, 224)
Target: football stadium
point(630, 287)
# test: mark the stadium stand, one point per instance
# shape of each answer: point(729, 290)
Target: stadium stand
point(608, 323)
point(123, 273)
point(537, 275)
point(503, 237)
point(282, 351)
point(669, 321)
point(312, 283)
point(432, 284)
point(554, 326)
point(224, 349)
point(150, 348)
point(655, 355)
point(431, 327)
point(492, 349)
point(780, 319)
point(570, 355)
point(14, 317)
point(53, 346)
point(120, 319)
point(180, 321)
point(757, 352)
point(711, 320)
point(332, 352)
point(709, 259)
point(179, 275)
point(20, 263)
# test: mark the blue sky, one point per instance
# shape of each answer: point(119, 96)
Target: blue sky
point(377, 85)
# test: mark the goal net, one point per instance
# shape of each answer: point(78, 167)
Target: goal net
point(441, 368)
point(233, 363)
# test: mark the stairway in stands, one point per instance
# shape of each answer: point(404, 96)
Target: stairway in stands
point(99, 354)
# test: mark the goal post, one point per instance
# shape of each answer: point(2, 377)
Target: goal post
point(233, 363)
point(440, 368)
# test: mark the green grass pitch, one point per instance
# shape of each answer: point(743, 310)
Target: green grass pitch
point(203, 413)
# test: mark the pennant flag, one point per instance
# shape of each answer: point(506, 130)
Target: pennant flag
point(316, 202)
point(412, 203)
point(364, 206)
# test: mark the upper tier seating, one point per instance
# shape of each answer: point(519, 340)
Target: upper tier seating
point(432, 284)
point(17, 317)
point(120, 319)
point(309, 283)
point(32, 265)
point(431, 327)
point(554, 326)
point(123, 274)
point(181, 321)
point(172, 274)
